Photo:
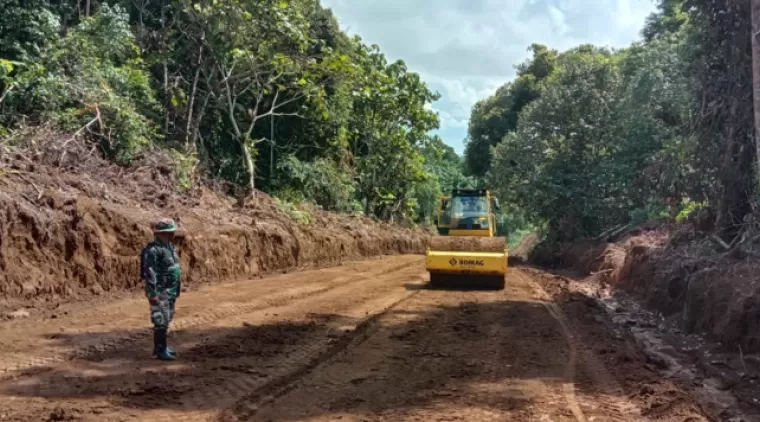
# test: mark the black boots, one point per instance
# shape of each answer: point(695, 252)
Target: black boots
point(160, 350)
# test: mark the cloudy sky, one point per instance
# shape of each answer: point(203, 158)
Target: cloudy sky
point(465, 49)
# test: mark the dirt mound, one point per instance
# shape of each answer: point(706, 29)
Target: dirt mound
point(680, 273)
point(572, 255)
point(468, 244)
point(522, 251)
point(72, 225)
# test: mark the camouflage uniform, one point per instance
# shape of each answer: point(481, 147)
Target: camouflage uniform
point(160, 271)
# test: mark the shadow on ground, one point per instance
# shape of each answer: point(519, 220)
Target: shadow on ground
point(463, 287)
point(416, 360)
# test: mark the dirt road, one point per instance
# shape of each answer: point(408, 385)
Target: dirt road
point(365, 341)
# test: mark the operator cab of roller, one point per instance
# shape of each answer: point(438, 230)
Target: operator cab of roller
point(467, 212)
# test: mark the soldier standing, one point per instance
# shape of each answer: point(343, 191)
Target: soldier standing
point(160, 270)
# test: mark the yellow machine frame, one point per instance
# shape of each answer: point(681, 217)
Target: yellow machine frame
point(487, 260)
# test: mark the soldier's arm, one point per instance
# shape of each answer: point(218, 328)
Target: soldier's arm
point(149, 259)
point(179, 281)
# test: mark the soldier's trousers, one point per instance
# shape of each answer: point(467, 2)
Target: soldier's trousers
point(162, 313)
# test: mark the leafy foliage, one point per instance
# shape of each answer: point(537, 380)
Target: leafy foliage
point(559, 152)
point(274, 96)
point(293, 210)
point(269, 95)
point(26, 27)
point(93, 78)
point(322, 182)
point(494, 117)
point(720, 60)
point(668, 20)
point(444, 167)
point(611, 137)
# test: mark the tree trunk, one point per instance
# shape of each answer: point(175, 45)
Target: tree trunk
point(167, 94)
point(271, 149)
point(756, 78)
point(250, 168)
point(189, 135)
point(195, 131)
point(369, 206)
point(737, 165)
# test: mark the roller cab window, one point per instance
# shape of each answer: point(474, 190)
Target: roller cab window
point(470, 212)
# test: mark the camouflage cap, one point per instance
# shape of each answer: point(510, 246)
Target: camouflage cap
point(165, 225)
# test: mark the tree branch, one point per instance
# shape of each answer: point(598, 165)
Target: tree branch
point(95, 119)
point(5, 94)
point(231, 109)
point(254, 118)
point(191, 106)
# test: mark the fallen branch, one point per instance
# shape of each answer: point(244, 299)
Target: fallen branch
point(40, 192)
point(3, 172)
point(619, 231)
point(720, 242)
point(86, 127)
point(606, 271)
point(741, 358)
point(5, 94)
point(608, 231)
point(96, 119)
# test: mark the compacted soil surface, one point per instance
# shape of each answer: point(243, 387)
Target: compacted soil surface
point(365, 341)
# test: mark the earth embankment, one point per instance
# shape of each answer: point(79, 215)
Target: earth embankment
point(72, 226)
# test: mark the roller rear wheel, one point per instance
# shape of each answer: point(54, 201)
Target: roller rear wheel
point(467, 281)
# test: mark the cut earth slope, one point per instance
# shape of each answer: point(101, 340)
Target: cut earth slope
point(72, 226)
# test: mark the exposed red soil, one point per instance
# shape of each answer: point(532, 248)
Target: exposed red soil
point(72, 226)
point(678, 272)
point(467, 244)
point(521, 252)
point(366, 341)
point(707, 301)
point(369, 341)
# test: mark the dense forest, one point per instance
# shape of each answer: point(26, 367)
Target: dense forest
point(265, 95)
point(274, 96)
point(584, 140)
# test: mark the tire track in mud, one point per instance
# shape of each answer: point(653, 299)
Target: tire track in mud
point(445, 355)
point(341, 309)
point(623, 410)
point(249, 391)
point(568, 386)
point(269, 392)
point(10, 365)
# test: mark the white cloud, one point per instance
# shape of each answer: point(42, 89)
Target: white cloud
point(450, 121)
point(559, 23)
point(465, 49)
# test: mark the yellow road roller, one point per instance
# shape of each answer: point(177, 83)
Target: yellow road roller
point(466, 251)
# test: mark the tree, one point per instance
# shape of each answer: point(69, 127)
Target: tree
point(667, 20)
point(554, 166)
point(26, 28)
point(494, 117)
point(265, 95)
point(389, 124)
point(656, 157)
point(756, 77)
point(92, 78)
point(260, 56)
point(446, 172)
point(720, 60)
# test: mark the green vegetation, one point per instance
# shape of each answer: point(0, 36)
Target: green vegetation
point(266, 95)
point(274, 96)
point(590, 138)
